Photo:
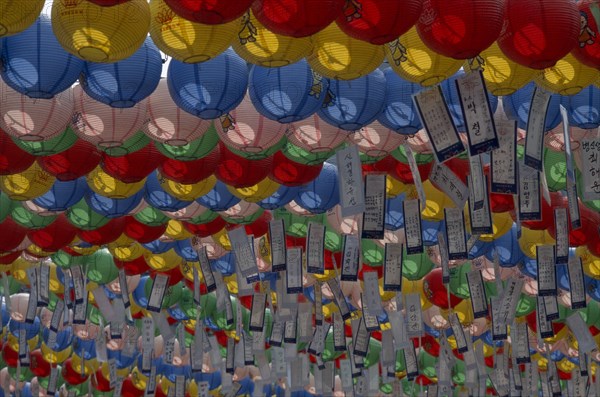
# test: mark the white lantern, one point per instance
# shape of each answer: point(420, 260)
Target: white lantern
point(375, 140)
point(315, 135)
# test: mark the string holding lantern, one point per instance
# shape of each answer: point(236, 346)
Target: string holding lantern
point(210, 12)
point(14, 22)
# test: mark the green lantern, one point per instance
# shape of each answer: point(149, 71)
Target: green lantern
point(305, 157)
point(6, 205)
point(136, 142)
point(83, 217)
point(555, 170)
point(30, 219)
point(260, 155)
point(416, 266)
point(297, 225)
point(54, 145)
point(193, 150)
point(101, 267)
point(151, 216)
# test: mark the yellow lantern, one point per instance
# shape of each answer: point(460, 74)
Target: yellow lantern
point(185, 192)
point(338, 56)
point(28, 184)
point(163, 262)
point(414, 61)
point(100, 34)
point(18, 15)
point(567, 77)
point(393, 186)
point(590, 262)
point(501, 224)
point(188, 41)
point(502, 76)
point(19, 270)
point(436, 202)
point(530, 239)
point(54, 357)
point(108, 186)
point(259, 46)
point(177, 231)
point(255, 193)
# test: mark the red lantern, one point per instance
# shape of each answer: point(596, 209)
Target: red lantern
point(435, 290)
point(37, 365)
point(141, 232)
point(10, 357)
point(70, 375)
point(54, 236)
point(460, 29)
point(239, 172)
point(210, 12)
point(12, 235)
point(206, 229)
point(104, 234)
point(290, 173)
point(402, 172)
point(174, 274)
point(537, 33)
point(7, 259)
point(13, 159)
point(76, 161)
point(297, 18)
point(588, 49)
point(133, 267)
point(129, 390)
point(378, 21)
point(189, 172)
point(99, 382)
point(133, 167)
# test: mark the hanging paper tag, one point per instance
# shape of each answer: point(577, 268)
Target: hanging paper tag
point(412, 227)
point(340, 299)
point(536, 125)
point(374, 214)
point(317, 345)
point(388, 353)
point(293, 274)
point(371, 321)
point(80, 313)
point(551, 306)
point(438, 124)
point(57, 316)
point(315, 246)
point(304, 323)
point(504, 159)
point(585, 340)
point(546, 270)
point(244, 252)
point(477, 184)
point(277, 244)
point(159, 287)
point(276, 338)
point(44, 285)
point(561, 224)
point(530, 199)
point(444, 259)
point(31, 307)
point(124, 288)
point(414, 170)
point(257, 317)
point(352, 197)
point(101, 351)
point(230, 357)
point(160, 322)
point(583, 363)
point(360, 342)
point(481, 219)
point(399, 328)
point(103, 303)
point(392, 276)
point(456, 236)
point(371, 292)
point(414, 315)
point(512, 294)
point(459, 333)
point(51, 389)
point(410, 358)
point(151, 383)
point(169, 350)
point(590, 167)
point(6, 291)
point(78, 283)
point(350, 258)
point(573, 202)
point(576, 283)
point(448, 182)
point(346, 375)
point(207, 273)
point(289, 333)
point(278, 360)
point(499, 329)
point(477, 113)
point(339, 338)
point(147, 333)
point(477, 292)
point(544, 326)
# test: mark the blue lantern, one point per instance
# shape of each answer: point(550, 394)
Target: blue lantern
point(219, 198)
point(353, 104)
point(287, 94)
point(584, 108)
point(394, 212)
point(516, 107)
point(36, 65)
point(225, 264)
point(508, 249)
point(399, 113)
point(123, 84)
point(281, 197)
point(158, 198)
point(454, 104)
point(64, 338)
point(63, 195)
point(184, 249)
point(159, 247)
point(31, 329)
point(430, 230)
point(321, 194)
point(112, 208)
point(209, 89)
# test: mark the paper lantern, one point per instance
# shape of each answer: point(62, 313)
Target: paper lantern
point(109, 186)
point(567, 77)
point(281, 197)
point(516, 106)
point(209, 89)
point(259, 46)
point(124, 83)
point(288, 172)
point(316, 136)
point(257, 192)
point(76, 161)
point(502, 75)
point(186, 192)
point(538, 33)
point(246, 130)
point(399, 112)
point(188, 41)
point(85, 218)
point(132, 167)
point(16, 16)
point(101, 34)
point(12, 158)
point(136, 142)
point(322, 193)
point(113, 207)
point(337, 56)
point(103, 125)
point(376, 140)
point(460, 29)
point(587, 51)
point(219, 198)
point(54, 236)
point(14, 235)
point(103, 235)
point(287, 94)
point(34, 119)
point(157, 197)
point(240, 172)
point(28, 184)
point(210, 12)
point(378, 21)
point(36, 65)
point(62, 195)
point(190, 171)
point(297, 18)
point(584, 108)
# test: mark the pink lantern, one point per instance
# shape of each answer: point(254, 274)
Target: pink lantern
point(343, 225)
point(376, 140)
point(168, 123)
point(315, 135)
point(192, 211)
point(34, 119)
point(247, 130)
point(103, 125)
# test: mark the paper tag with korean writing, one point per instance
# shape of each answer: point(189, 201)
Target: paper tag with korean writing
point(78, 283)
point(530, 199)
point(561, 224)
point(414, 315)
point(350, 258)
point(536, 126)
point(392, 276)
point(459, 333)
point(477, 292)
point(504, 159)
point(159, 287)
point(576, 283)
point(374, 214)
point(44, 285)
point(499, 329)
point(544, 326)
point(585, 340)
point(257, 317)
point(244, 251)
point(371, 292)
point(410, 358)
point(293, 274)
point(207, 273)
point(448, 182)
point(277, 244)
point(413, 227)
point(339, 338)
point(546, 270)
point(438, 124)
point(352, 197)
point(315, 246)
point(414, 170)
point(360, 342)
point(551, 306)
point(340, 299)
point(590, 164)
point(456, 237)
point(480, 219)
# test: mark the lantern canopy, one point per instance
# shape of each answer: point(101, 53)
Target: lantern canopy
point(101, 34)
point(537, 33)
point(210, 12)
point(14, 22)
point(36, 65)
point(124, 83)
point(209, 89)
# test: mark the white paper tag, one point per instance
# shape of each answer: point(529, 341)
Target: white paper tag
point(510, 300)
point(244, 252)
point(160, 322)
point(477, 183)
point(590, 164)
point(31, 307)
point(536, 125)
point(371, 322)
point(530, 199)
point(374, 214)
point(346, 375)
point(147, 333)
point(360, 341)
point(51, 389)
point(230, 357)
point(577, 284)
point(561, 223)
point(456, 236)
point(448, 182)
point(80, 313)
point(551, 306)
point(340, 299)
point(480, 219)
point(103, 304)
point(352, 197)
point(477, 292)
point(276, 338)
point(290, 329)
point(124, 288)
point(101, 351)
point(544, 326)
point(546, 270)
point(414, 315)
point(317, 344)
point(504, 159)
point(151, 382)
point(392, 276)
point(350, 258)
point(371, 292)
point(159, 287)
point(277, 244)
point(293, 274)
point(315, 246)
point(585, 340)
point(414, 170)
point(438, 124)
point(257, 317)
point(410, 358)
point(339, 338)
point(459, 333)
point(207, 273)
point(44, 285)
point(412, 227)
point(399, 328)
point(78, 283)
point(499, 329)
